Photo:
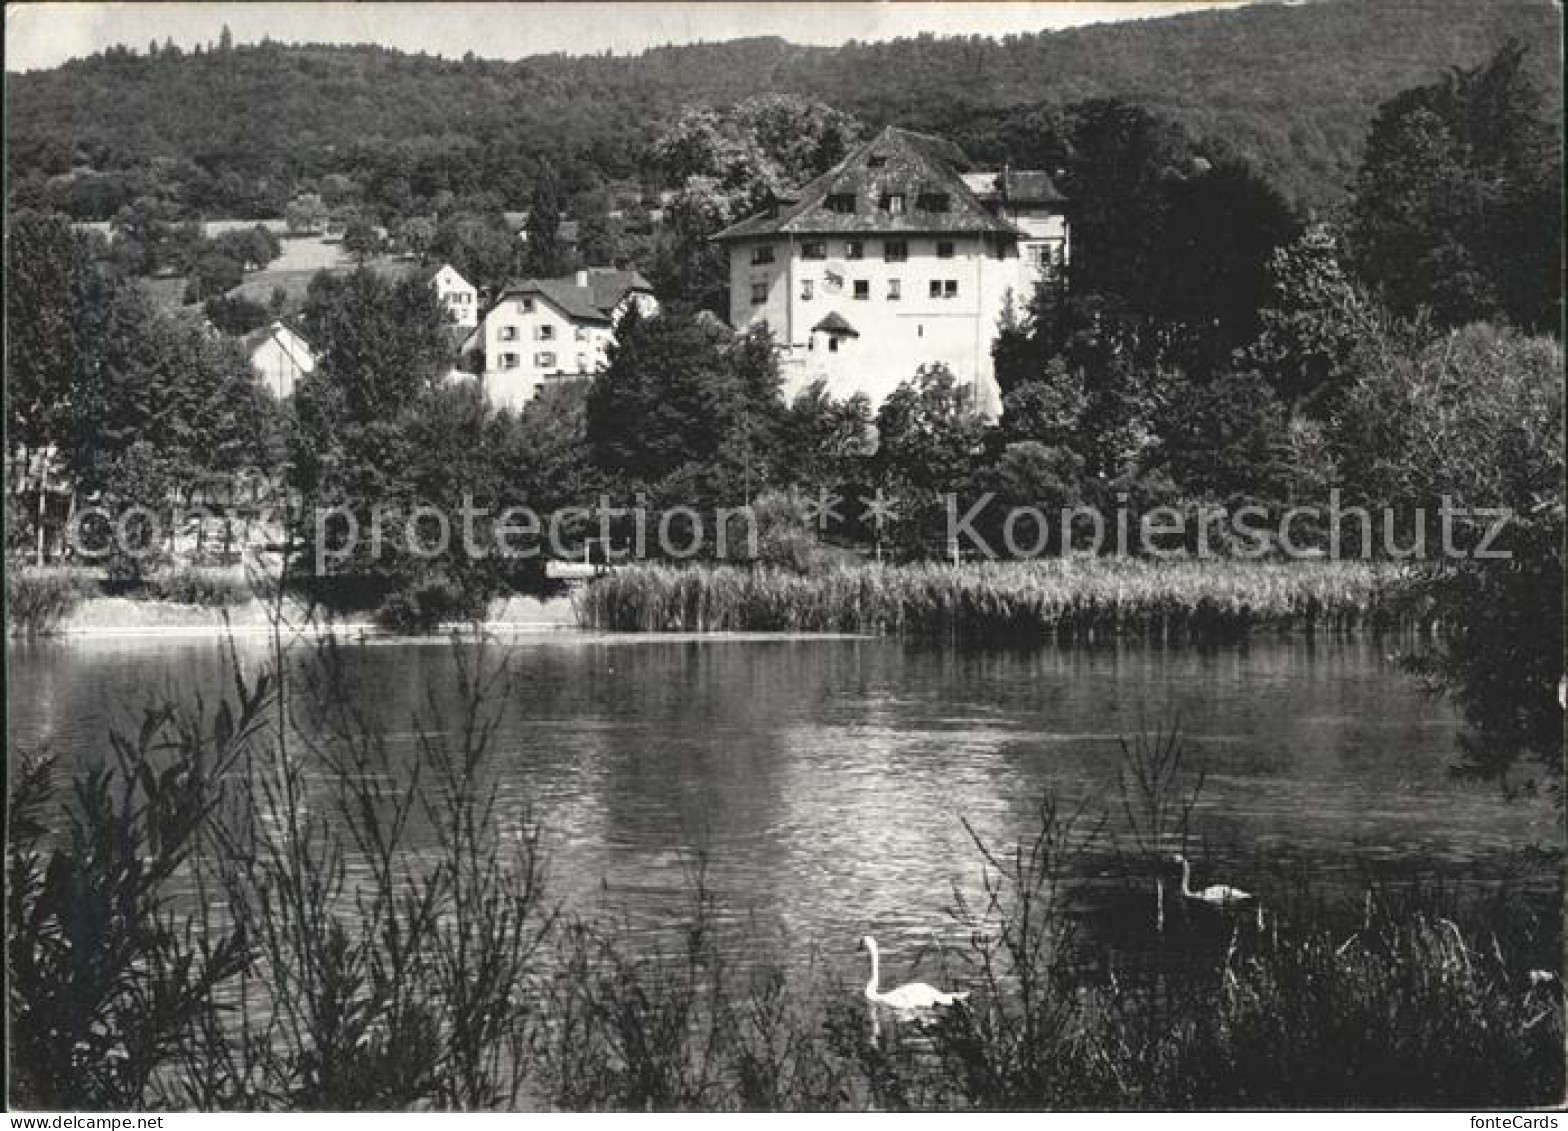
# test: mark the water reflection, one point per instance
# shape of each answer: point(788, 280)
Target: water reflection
point(824, 779)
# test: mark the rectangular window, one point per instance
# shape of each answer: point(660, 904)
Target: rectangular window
point(580, 333)
point(582, 363)
point(763, 253)
point(833, 345)
point(944, 249)
point(950, 289)
point(854, 249)
point(893, 203)
point(841, 202)
point(806, 289)
point(544, 361)
point(876, 161)
point(526, 306)
point(545, 333)
point(508, 334)
point(936, 288)
point(894, 291)
point(508, 361)
point(862, 288)
point(895, 251)
point(759, 294)
point(816, 249)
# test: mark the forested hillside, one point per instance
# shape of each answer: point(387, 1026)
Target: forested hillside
point(238, 130)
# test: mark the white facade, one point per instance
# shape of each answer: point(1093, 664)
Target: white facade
point(530, 339)
point(458, 295)
point(892, 260)
point(912, 300)
point(281, 359)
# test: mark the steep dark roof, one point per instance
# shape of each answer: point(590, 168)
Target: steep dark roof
point(835, 323)
point(916, 166)
point(595, 302)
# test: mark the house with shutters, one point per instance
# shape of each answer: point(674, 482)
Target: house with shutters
point(540, 331)
point(899, 256)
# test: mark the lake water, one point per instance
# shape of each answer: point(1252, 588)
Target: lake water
point(826, 778)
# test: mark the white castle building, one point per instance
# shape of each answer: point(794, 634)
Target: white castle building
point(895, 258)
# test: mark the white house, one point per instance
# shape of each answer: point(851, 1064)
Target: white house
point(893, 259)
point(543, 330)
point(281, 357)
point(457, 294)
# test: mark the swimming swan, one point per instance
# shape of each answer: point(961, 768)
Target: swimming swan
point(910, 998)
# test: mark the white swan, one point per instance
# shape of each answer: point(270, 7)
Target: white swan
point(910, 998)
point(1221, 897)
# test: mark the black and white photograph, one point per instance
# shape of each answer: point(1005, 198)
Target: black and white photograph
point(737, 557)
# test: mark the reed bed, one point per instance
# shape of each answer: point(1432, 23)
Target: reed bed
point(1064, 599)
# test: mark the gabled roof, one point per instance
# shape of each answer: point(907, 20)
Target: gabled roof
point(1015, 186)
point(835, 323)
point(428, 274)
point(295, 346)
point(924, 170)
point(594, 300)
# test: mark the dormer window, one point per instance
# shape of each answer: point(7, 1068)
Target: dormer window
point(876, 161)
point(893, 203)
point(841, 202)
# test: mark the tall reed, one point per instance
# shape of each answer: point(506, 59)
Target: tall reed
point(1066, 599)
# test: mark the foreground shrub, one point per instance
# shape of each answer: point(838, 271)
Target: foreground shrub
point(37, 600)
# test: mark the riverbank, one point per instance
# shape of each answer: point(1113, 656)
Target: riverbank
point(1064, 599)
point(88, 616)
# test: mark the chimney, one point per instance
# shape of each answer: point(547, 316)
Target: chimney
point(581, 278)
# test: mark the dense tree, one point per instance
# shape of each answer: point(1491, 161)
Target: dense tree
point(361, 239)
point(544, 254)
point(1314, 323)
point(824, 442)
point(212, 274)
point(1291, 89)
point(1457, 205)
point(928, 431)
point(1228, 439)
point(236, 315)
point(306, 214)
point(480, 247)
point(680, 392)
point(379, 343)
point(57, 295)
point(1210, 272)
point(1048, 409)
